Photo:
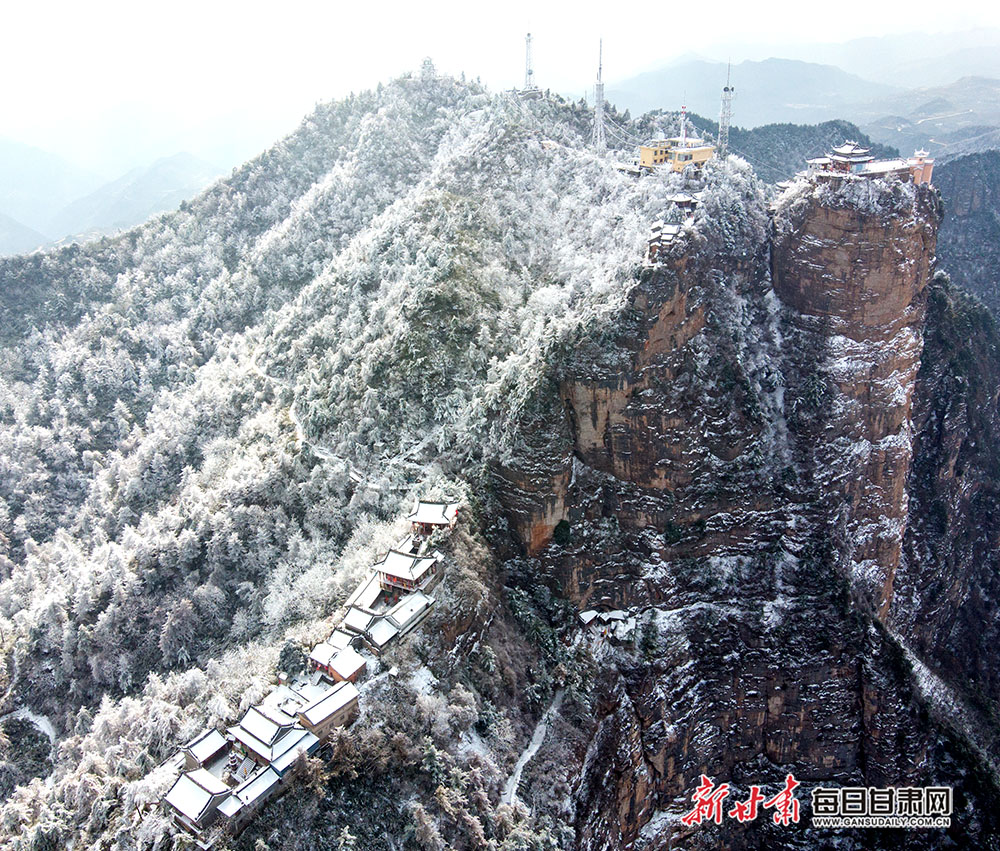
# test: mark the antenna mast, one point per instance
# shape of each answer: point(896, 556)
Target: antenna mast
point(725, 116)
point(529, 74)
point(597, 139)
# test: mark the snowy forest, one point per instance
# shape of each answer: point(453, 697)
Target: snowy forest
point(214, 424)
point(211, 424)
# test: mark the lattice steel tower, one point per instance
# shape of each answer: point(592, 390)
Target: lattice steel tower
point(529, 74)
point(597, 139)
point(725, 116)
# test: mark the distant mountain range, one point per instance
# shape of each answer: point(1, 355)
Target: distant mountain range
point(45, 199)
point(961, 115)
point(34, 184)
point(768, 92)
point(933, 118)
point(16, 238)
point(134, 197)
point(906, 60)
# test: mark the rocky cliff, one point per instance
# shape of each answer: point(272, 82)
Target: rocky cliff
point(970, 232)
point(853, 271)
point(739, 470)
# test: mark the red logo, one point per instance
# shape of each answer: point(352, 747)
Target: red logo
point(707, 803)
point(708, 798)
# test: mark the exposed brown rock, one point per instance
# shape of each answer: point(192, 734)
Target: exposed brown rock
point(740, 481)
point(856, 279)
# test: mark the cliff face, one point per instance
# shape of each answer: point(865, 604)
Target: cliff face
point(855, 282)
point(969, 246)
point(947, 588)
point(742, 447)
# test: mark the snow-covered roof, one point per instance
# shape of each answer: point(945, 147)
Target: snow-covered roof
point(687, 142)
point(434, 513)
point(412, 543)
point(299, 741)
point(194, 792)
point(347, 663)
point(258, 725)
point(257, 787)
point(270, 751)
point(409, 609)
point(681, 198)
point(280, 704)
point(624, 630)
point(851, 149)
point(357, 620)
point(339, 639)
point(332, 702)
point(206, 745)
point(367, 593)
point(322, 653)
point(262, 749)
point(663, 233)
point(885, 166)
point(406, 565)
point(382, 632)
point(231, 806)
point(590, 615)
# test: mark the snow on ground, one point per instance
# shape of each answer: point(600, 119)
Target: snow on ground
point(43, 724)
point(510, 790)
point(422, 681)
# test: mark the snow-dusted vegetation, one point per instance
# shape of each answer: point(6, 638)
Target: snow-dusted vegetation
point(212, 426)
point(182, 408)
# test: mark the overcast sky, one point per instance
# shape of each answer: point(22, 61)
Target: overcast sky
point(67, 65)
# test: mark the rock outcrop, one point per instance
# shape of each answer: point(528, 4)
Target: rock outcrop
point(743, 447)
point(854, 277)
point(969, 244)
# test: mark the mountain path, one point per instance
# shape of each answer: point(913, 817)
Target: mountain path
point(510, 790)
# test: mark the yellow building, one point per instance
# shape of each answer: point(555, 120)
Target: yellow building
point(676, 152)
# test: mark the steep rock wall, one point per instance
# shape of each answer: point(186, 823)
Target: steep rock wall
point(948, 586)
point(969, 245)
point(855, 278)
point(740, 459)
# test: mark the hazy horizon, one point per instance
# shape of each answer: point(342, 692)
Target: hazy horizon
point(115, 86)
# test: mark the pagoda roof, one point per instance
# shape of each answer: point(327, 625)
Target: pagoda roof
point(434, 513)
point(407, 565)
point(851, 149)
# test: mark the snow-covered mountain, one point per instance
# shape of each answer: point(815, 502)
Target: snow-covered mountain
point(213, 424)
point(16, 238)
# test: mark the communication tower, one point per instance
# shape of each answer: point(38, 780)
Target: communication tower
point(529, 73)
point(597, 139)
point(725, 116)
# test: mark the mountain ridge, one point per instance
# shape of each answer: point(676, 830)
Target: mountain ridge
point(770, 91)
point(446, 291)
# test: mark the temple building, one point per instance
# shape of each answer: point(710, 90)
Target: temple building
point(428, 516)
point(406, 572)
point(852, 158)
point(194, 799)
